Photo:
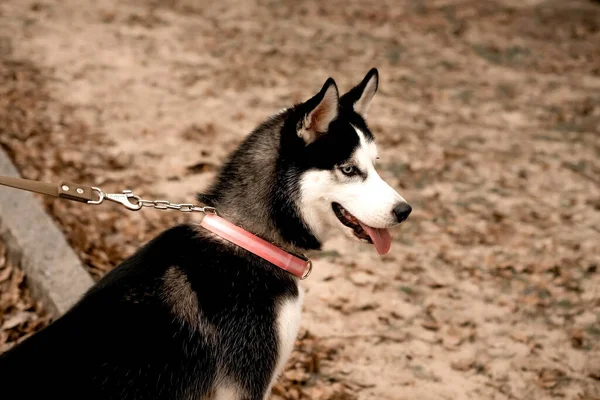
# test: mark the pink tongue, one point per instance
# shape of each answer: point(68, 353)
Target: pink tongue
point(381, 238)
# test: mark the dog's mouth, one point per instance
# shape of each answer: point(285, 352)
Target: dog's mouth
point(381, 238)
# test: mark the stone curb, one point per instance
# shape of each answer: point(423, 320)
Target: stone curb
point(54, 272)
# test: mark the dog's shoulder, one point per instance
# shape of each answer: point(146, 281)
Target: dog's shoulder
point(187, 268)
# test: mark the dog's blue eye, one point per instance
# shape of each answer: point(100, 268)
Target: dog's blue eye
point(348, 170)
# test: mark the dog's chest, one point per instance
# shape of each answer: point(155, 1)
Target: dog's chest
point(288, 322)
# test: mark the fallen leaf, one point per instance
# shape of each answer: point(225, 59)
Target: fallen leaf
point(296, 375)
point(361, 278)
point(431, 324)
point(453, 338)
point(17, 319)
point(577, 338)
point(463, 365)
point(549, 377)
point(519, 337)
point(592, 367)
point(5, 274)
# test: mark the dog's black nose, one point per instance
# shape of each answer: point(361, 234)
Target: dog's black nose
point(402, 211)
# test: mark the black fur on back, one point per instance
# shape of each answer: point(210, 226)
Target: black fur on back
point(123, 340)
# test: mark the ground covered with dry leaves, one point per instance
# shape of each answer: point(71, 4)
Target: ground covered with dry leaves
point(20, 314)
point(488, 122)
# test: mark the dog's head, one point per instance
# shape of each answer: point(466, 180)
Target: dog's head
point(309, 171)
point(339, 187)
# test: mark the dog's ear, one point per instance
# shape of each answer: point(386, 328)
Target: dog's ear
point(322, 109)
point(359, 97)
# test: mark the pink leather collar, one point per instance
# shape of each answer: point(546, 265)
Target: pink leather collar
point(241, 237)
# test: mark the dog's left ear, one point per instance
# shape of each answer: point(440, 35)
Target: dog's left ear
point(359, 97)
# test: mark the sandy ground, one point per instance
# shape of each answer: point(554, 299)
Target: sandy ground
point(488, 122)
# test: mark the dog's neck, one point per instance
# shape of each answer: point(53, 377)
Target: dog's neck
point(250, 211)
point(276, 222)
point(251, 192)
point(295, 264)
point(260, 226)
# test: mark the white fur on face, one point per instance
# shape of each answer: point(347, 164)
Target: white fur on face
point(371, 200)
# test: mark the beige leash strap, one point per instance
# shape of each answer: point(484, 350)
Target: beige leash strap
point(67, 190)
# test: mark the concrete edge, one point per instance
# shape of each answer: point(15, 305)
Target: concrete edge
point(54, 273)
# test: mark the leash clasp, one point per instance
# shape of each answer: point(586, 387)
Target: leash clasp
point(205, 210)
point(121, 198)
point(134, 203)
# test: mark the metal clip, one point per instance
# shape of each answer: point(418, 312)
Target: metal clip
point(209, 210)
point(125, 200)
point(308, 270)
point(205, 210)
point(121, 198)
point(100, 196)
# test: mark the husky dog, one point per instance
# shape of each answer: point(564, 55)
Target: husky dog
point(192, 316)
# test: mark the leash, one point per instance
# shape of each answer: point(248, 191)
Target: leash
point(294, 264)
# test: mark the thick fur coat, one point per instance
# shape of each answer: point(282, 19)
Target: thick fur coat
point(191, 316)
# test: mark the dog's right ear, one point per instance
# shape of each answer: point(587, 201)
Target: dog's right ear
point(322, 109)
